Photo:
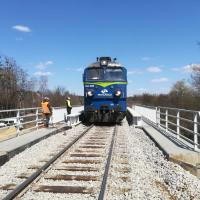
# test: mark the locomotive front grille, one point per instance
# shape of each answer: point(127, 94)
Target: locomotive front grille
point(104, 108)
point(118, 108)
point(89, 109)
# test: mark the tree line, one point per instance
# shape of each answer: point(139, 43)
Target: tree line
point(19, 90)
point(183, 94)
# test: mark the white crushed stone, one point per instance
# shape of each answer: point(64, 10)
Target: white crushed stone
point(90, 184)
point(80, 173)
point(33, 155)
point(50, 196)
point(152, 176)
point(69, 183)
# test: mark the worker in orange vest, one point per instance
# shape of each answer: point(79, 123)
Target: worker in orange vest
point(46, 110)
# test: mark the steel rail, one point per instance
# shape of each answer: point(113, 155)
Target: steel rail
point(29, 180)
point(105, 176)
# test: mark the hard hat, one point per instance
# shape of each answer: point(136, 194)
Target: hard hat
point(68, 98)
point(46, 98)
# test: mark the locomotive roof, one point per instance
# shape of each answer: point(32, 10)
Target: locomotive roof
point(109, 64)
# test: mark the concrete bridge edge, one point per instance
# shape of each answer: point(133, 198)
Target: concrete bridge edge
point(5, 156)
point(192, 168)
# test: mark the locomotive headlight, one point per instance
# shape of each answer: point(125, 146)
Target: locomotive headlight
point(90, 93)
point(118, 93)
point(103, 62)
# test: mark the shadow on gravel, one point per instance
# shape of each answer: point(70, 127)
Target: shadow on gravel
point(129, 118)
point(84, 122)
point(106, 124)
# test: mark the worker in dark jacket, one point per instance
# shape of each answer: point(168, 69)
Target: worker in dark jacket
point(46, 110)
point(68, 105)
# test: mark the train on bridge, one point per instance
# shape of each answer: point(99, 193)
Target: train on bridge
point(105, 91)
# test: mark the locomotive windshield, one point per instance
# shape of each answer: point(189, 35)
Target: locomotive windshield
point(95, 74)
point(114, 74)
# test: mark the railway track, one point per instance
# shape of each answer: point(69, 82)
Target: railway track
point(80, 170)
point(115, 163)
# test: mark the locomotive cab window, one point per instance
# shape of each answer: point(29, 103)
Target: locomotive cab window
point(94, 74)
point(114, 74)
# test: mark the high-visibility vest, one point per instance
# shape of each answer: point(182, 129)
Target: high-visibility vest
point(45, 108)
point(68, 103)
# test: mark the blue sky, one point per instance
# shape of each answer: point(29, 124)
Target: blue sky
point(156, 40)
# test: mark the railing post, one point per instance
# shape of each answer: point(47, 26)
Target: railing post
point(52, 118)
point(178, 125)
point(18, 122)
point(37, 117)
point(195, 132)
point(166, 120)
point(77, 121)
point(70, 121)
point(158, 116)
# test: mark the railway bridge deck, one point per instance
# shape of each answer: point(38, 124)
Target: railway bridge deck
point(175, 148)
point(137, 167)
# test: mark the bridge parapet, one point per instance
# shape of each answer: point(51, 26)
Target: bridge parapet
point(19, 121)
point(181, 123)
point(176, 133)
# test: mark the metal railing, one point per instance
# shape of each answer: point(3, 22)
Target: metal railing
point(17, 121)
point(20, 119)
point(183, 123)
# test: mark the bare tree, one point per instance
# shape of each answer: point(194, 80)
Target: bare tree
point(17, 90)
point(196, 79)
point(43, 85)
point(8, 83)
point(181, 95)
point(31, 98)
point(181, 88)
point(57, 96)
point(22, 86)
point(13, 84)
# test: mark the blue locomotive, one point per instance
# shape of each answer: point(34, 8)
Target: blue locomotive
point(105, 91)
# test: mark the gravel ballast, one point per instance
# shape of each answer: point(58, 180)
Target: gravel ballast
point(151, 176)
point(34, 155)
